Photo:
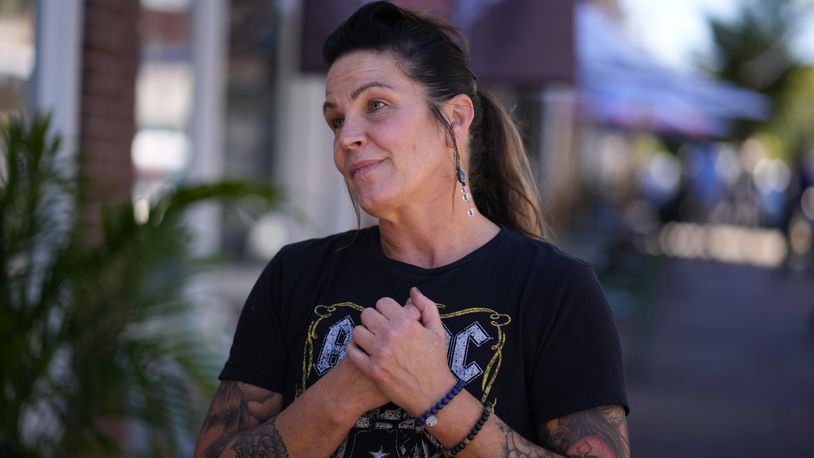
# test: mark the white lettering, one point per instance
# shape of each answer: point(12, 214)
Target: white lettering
point(333, 348)
point(476, 334)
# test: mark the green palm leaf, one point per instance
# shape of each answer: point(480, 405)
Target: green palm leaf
point(96, 333)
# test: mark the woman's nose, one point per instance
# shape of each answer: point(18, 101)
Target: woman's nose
point(352, 135)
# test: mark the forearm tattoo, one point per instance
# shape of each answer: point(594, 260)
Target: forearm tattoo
point(599, 432)
point(216, 448)
point(516, 446)
point(262, 442)
point(235, 408)
point(595, 433)
point(243, 416)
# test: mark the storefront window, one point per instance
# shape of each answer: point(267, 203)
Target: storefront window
point(17, 54)
point(161, 146)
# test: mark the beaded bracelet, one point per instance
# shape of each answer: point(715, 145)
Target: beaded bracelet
point(429, 417)
point(487, 410)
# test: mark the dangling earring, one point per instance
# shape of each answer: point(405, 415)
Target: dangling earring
point(462, 179)
point(459, 173)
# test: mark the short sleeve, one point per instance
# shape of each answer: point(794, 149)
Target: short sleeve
point(578, 365)
point(257, 354)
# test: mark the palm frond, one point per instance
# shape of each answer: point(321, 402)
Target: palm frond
point(96, 331)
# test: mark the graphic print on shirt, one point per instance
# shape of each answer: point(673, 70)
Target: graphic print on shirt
point(475, 339)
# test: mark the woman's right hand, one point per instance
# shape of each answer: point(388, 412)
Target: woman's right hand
point(359, 392)
point(353, 389)
point(359, 388)
point(403, 352)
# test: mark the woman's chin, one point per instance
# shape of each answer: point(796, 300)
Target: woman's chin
point(376, 206)
point(376, 211)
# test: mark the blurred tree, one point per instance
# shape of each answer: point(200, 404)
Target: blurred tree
point(13, 6)
point(790, 127)
point(753, 50)
point(97, 332)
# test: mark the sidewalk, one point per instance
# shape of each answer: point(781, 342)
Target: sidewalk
point(720, 362)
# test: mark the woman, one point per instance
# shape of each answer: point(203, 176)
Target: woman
point(448, 328)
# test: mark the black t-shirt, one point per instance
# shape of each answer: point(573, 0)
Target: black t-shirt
point(528, 327)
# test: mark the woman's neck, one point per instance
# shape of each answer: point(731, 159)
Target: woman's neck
point(429, 240)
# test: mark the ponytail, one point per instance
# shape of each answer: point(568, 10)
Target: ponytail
point(500, 174)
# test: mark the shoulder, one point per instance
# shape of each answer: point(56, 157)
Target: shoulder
point(334, 244)
point(312, 256)
point(297, 267)
point(544, 259)
point(556, 282)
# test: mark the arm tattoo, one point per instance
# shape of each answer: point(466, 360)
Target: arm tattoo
point(216, 448)
point(516, 446)
point(234, 408)
point(599, 432)
point(242, 415)
point(262, 442)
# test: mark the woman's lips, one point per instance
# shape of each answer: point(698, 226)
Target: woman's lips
point(362, 167)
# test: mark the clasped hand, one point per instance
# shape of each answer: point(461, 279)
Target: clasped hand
point(402, 350)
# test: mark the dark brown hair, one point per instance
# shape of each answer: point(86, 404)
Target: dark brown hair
point(434, 54)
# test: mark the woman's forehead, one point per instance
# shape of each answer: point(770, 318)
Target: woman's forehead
point(354, 70)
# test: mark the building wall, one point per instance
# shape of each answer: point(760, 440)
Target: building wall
point(110, 55)
point(304, 146)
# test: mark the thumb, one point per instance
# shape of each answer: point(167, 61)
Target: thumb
point(430, 317)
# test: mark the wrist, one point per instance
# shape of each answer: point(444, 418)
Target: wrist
point(343, 410)
point(433, 402)
point(487, 410)
point(342, 406)
point(429, 417)
point(456, 419)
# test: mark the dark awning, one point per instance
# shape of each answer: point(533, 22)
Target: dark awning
point(517, 41)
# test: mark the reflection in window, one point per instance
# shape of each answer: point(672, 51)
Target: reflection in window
point(161, 146)
point(17, 52)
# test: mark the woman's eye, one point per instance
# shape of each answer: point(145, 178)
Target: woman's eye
point(376, 105)
point(337, 123)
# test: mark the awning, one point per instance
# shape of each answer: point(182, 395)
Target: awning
point(621, 84)
point(527, 42)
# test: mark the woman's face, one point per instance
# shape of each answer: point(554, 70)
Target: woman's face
point(387, 144)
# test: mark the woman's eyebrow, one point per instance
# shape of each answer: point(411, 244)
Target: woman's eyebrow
point(357, 92)
point(367, 86)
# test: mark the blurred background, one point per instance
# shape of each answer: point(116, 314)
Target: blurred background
point(673, 143)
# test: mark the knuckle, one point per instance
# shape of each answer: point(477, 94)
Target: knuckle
point(354, 335)
point(403, 328)
point(408, 327)
point(388, 336)
point(412, 311)
point(384, 302)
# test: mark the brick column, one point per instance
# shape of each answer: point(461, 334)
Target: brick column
point(110, 58)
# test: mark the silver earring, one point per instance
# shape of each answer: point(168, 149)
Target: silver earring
point(462, 179)
point(459, 173)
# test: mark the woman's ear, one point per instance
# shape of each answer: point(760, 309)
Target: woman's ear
point(460, 111)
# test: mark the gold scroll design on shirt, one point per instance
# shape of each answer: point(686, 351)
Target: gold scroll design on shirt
point(322, 312)
point(496, 319)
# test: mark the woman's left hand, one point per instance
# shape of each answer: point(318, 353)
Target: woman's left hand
point(405, 357)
